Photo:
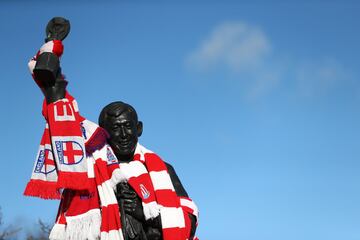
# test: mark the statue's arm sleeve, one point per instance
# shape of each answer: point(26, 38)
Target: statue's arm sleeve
point(179, 189)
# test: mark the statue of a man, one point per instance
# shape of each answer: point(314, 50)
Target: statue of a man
point(151, 201)
point(121, 122)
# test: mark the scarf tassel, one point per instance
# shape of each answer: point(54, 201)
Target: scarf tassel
point(151, 210)
point(84, 226)
point(42, 189)
point(73, 180)
point(58, 232)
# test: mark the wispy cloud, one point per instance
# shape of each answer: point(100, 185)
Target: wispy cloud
point(236, 45)
point(314, 78)
point(246, 51)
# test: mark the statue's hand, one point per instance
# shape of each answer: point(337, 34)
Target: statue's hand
point(57, 29)
point(45, 65)
point(132, 203)
point(134, 208)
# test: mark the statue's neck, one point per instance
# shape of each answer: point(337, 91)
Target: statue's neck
point(125, 158)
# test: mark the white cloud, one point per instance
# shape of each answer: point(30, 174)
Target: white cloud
point(236, 45)
point(245, 51)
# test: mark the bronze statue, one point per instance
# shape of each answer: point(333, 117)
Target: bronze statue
point(121, 123)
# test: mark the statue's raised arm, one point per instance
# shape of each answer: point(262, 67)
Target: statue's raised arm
point(45, 65)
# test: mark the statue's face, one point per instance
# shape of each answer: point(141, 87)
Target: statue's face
point(124, 131)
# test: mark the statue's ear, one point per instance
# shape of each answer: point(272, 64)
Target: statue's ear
point(139, 128)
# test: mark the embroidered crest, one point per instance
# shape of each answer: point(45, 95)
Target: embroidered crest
point(145, 193)
point(69, 152)
point(45, 163)
point(110, 156)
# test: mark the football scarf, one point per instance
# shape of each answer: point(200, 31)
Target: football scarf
point(61, 160)
point(147, 174)
point(92, 214)
point(72, 158)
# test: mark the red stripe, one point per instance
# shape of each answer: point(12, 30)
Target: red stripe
point(188, 210)
point(58, 48)
point(137, 157)
point(172, 234)
point(62, 128)
point(100, 169)
point(186, 230)
point(49, 162)
point(145, 180)
point(167, 198)
point(111, 168)
point(104, 220)
point(110, 218)
point(154, 162)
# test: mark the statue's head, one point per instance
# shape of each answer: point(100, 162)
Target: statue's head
point(120, 120)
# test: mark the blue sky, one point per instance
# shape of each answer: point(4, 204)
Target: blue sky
point(255, 104)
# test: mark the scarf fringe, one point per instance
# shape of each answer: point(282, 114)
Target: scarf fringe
point(151, 210)
point(112, 235)
point(73, 180)
point(84, 226)
point(42, 189)
point(58, 232)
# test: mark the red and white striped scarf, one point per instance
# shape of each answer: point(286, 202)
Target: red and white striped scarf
point(91, 214)
point(147, 174)
point(73, 156)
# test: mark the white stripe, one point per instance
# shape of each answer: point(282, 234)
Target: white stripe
point(117, 177)
point(48, 146)
point(31, 66)
point(112, 235)
point(172, 217)
point(161, 180)
point(90, 167)
point(190, 204)
point(47, 47)
point(106, 194)
point(100, 154)
point(132, 169)
point(76, 108)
